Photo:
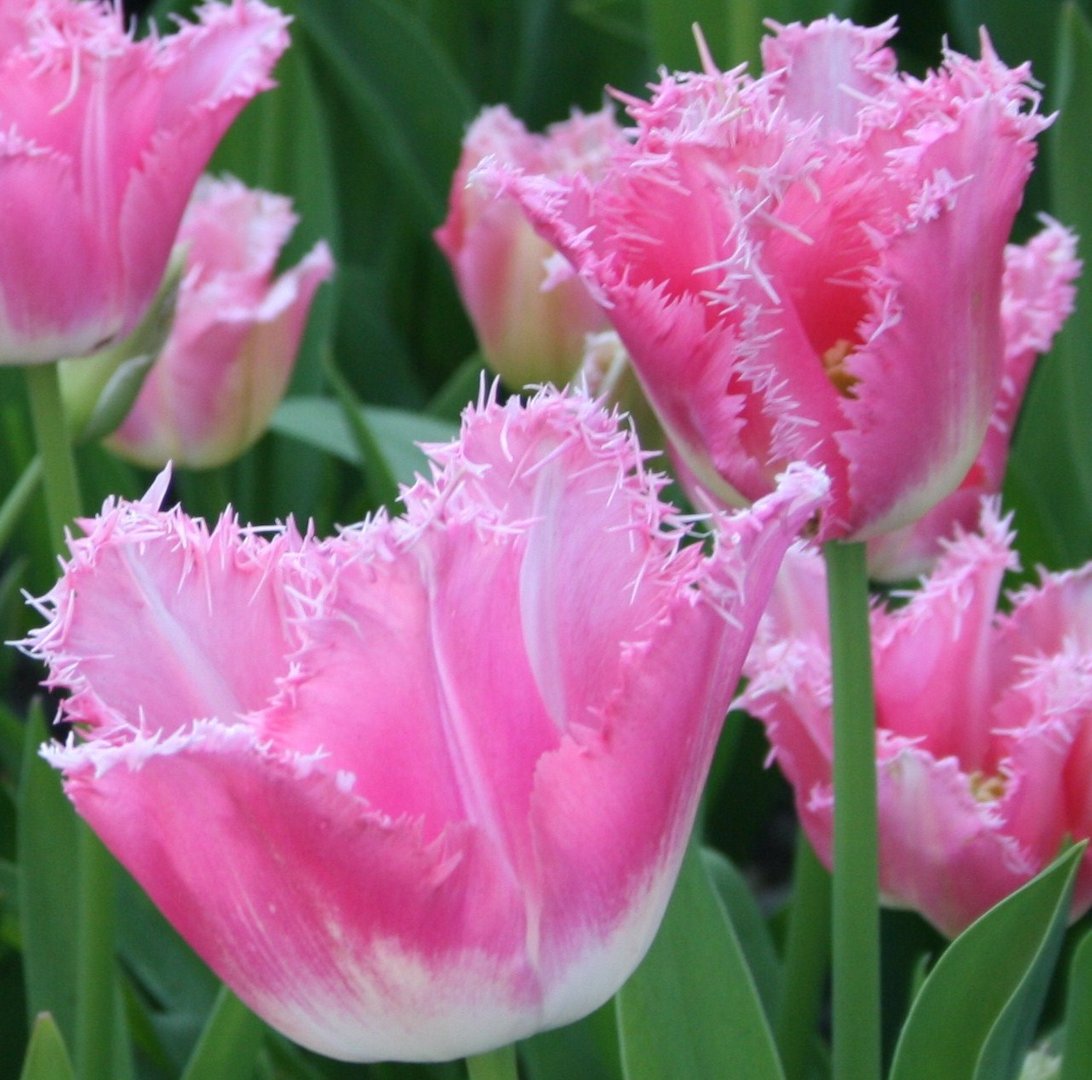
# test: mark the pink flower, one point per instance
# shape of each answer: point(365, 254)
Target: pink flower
point(983, 746)
point(101, 141)
point(422, 788)
point(236, 332)
point(808, 265)
point(1037, 297)
point(530, 312)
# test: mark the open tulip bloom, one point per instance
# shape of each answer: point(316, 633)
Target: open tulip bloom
point(809, 265)
point(982, 742)
point(423, 788)
point(92, 205)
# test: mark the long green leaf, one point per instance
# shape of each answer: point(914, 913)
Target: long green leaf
point(1078, 1013)
point(229, 1045)
point(415, 123)
point(47, 1058)
point(691, 1009)
point(46, 839)
point(974, 1017)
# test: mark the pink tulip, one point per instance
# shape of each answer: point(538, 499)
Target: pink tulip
point(531, 314)
point(101, 141)
point(983, 745)
point(1037, 297)
point(236, 332)
point(423, 788)
point(808, 265)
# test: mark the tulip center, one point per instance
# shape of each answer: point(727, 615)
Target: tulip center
point(986, 788)
point(834, 364)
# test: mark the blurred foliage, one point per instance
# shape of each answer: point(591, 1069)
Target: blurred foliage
point(364, 133)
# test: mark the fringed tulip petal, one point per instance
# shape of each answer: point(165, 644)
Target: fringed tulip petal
point(982, 754)
point(436, 798)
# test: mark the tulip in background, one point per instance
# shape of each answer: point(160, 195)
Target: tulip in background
point(423, 788)
point(530, 312)
point(1037, 297)
point(91, 207)
point(236, 332)
point(809, 265)
point(983, 746)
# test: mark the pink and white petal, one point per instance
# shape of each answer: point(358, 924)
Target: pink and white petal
point(935, 674)
point(157, 622)
point(942, 851)
point(344, 929)
point(970, 183)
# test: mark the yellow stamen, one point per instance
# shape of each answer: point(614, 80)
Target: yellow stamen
point(834, 364)
point(986, 788)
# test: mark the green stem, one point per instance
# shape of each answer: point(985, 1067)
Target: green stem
point(229, 1043)
point(18, 499)
point(855, 923)
point(94, 903)
point(499, 1064)
point(807, 958)
point(55, 449)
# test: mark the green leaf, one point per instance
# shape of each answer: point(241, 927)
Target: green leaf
point(416, 124)
point(975, 1015)
point(750, 927)
point(47, 1058)
point(229, 1045)
point(1077, 1051)
point(1070, 161)
point(691, 1009)
point(46, 840)
point(320, 422)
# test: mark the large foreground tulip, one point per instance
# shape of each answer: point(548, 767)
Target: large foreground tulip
point(808, 265)
point(983, 747)
point(102, 138)
point(236, 332)
point(530, 312)
point(423, 788)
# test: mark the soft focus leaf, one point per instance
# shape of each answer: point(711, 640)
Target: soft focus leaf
point(1078, 1013)
point(47, 1058)
point(229, 1045)
point(1070, 162)
point(415, 123)
point(975, 1016)
point(750, 927)
point(46, 838)
point(320, 422)
point(691, 1009)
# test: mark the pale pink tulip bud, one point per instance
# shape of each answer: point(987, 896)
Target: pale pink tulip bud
point(809, 264)
point(530, 312)
point(423, 788)
point(102, 138)
point(236, 332)
point(983, 745)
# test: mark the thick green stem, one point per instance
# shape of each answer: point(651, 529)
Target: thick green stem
point(855, 923)
point(807, 958)
point(94, 905)
point(499, 1064)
